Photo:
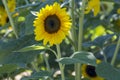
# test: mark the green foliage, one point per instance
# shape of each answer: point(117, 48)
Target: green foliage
point(107, 71)
point(30, 48)
point(79, 57)
point(24, 53)
point(8, 68)
point(99, 41)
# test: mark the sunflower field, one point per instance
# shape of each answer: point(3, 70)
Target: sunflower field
point(59, 39)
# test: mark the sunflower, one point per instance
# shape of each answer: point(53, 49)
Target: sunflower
point(88, 71)
point(52, 24)
point(3, 16)
point(98, 31)
point(118, 11)
point(11, 5)
point(93, 5)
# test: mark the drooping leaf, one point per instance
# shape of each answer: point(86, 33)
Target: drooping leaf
point(7, 49)
point(107, 71)
point(79, 57)
point(30, 48)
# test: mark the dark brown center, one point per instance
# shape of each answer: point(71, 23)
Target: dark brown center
point(52, 24)
point(90, 70)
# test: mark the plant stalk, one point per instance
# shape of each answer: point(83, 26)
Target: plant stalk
point(73, 29)
point(10, 17)
point(60, 65)
point(80, 36)
point(116, 52)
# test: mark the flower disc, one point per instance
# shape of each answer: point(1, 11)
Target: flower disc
point(52, 24)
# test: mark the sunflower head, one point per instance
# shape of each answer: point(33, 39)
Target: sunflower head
point(52, 24)
point(88, 71)
point(93, 5)
point(3, 16)
point(11, 5)
point(118, 11)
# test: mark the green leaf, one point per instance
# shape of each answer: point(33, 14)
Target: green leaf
point(21, 58)
point(68, 60)
point(79, 57)
point(8, 68)
point(29, 48)
point(7, 48)
point(29, 29)
point(40, 74)
point(99, 41)
point(107, 71)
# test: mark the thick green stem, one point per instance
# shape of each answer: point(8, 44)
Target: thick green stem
point(80, 36)
point(116, 52)
point(10, 17)
point(60, 65)
point(73, 29)
point(81, 21)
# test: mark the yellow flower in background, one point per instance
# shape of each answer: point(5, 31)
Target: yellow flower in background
point(98, 31)
point(93, 5)
point(88, 71)
point(43, 0)
point(11, 5)
point(52, 24)
point(3, 16)
point(118, 11)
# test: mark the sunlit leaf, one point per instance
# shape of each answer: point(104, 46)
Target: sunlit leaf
point(79, 57)
point(29, 48)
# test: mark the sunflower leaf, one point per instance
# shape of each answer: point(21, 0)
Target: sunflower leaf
point(99, 41)
point(107, 71)
point(30, 48)
point(79, 57)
